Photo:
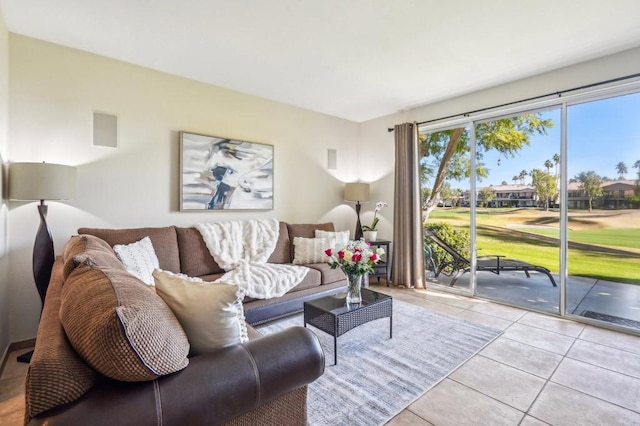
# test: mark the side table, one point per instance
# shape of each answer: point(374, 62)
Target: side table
point(383, 267)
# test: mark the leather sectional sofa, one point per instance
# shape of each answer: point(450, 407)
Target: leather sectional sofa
point(262, 382)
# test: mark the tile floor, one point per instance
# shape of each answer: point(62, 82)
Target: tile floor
point(542, 370)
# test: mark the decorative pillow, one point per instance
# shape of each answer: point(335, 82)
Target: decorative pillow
point(119, 326)
point(311, 250)
point(139, 258)
point(82, 247)
point(341, 237)
point(210, 313)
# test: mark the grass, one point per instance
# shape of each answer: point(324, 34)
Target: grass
point(601, 228)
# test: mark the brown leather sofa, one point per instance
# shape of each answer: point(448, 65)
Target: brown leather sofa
point(261, 382)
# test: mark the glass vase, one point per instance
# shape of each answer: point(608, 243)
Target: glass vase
point(354, 286)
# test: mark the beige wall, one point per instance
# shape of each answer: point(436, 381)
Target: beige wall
point(4, 237)
point(53, 91)
point(380, 144)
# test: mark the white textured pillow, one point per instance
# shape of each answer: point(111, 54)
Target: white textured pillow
point(311, 250)
point(211, 314)
point(139, 258)
point(341, 237)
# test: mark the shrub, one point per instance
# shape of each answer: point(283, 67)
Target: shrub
point(459, 240)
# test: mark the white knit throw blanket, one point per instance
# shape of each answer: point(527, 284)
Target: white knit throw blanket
point(242, 249)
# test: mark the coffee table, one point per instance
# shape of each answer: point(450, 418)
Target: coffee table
point(335, 317)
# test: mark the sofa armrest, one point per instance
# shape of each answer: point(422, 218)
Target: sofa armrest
point(213, 389)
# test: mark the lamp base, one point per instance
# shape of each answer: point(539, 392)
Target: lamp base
point(358, 234)
point(25, 358)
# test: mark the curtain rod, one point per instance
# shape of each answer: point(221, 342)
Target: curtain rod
point(534, 98)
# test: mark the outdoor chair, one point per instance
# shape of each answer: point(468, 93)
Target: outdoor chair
point(455, 264)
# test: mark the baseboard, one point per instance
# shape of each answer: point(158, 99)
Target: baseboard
point(15, 346)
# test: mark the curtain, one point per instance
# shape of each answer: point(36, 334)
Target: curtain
point(407, 264)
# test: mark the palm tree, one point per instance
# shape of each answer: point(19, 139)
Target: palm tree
point(556, 161)
point(548, 164)
point(636, 166)
point(621, 168)
point(515, 179)
point(523, 174)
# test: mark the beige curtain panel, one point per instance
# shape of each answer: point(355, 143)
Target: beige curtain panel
point(407, 266)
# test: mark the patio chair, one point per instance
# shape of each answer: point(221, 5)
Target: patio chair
point(455, 264)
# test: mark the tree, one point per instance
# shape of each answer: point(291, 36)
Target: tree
point(448, 151)
point(523, 174)
point(590, 182)
point(548, 164)
point(446, 193)
point(636, 166)
point(504, 182)
point(515, 179)
point(556, 161)
point(545, 186)
point(487, 195)
point(621, 168)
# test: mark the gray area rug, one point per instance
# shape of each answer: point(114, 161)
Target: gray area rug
point(377, 377)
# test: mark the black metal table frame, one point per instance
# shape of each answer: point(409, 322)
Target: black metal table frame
point(338, 324)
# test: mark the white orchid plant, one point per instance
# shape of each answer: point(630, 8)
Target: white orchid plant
point(379, 206)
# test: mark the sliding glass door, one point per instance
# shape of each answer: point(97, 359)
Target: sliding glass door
point(518, 216)
point(445, 169)
point(603, 198)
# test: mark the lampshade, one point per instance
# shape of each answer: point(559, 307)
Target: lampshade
point(356, 191)
point(41, 181)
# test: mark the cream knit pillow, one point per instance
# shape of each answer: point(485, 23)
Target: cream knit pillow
point(311, 250)
point(211, 314)
point(139, 258)
point(341, 237)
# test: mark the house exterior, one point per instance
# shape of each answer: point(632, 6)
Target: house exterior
point(511, 196)
point(614, 195)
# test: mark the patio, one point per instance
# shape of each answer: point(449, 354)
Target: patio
point(613, 302)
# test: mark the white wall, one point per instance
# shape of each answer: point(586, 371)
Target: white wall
point(53, 91)
point(4, 236)
point(379, 143)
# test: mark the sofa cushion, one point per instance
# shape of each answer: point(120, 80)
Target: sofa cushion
point(210, 313)
point(119, 326)
point(139, 259)
point(57, 375)
point(282, 252)
point(328, 275)
point(165, 242)
point(82, 247)
point(195, 259)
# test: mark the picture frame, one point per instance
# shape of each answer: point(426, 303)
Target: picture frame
point(220, 174)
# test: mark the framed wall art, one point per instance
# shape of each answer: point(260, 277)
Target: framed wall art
point(224, 174)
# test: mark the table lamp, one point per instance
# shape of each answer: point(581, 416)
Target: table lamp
point(358, 192)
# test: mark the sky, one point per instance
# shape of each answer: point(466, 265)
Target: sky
point(600, 134)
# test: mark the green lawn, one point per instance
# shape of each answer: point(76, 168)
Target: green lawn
point(620, 238)
point(587, 263)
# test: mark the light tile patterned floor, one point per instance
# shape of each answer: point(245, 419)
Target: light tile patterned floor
point(542, 370)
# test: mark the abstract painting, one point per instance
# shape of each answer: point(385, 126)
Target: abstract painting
point(224, 174)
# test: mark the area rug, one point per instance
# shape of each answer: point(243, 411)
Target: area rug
point(377, 377)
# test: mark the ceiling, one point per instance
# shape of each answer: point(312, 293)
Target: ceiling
point(355, 59)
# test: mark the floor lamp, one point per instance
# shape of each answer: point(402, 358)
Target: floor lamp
point(358, 192)
point(41, 181)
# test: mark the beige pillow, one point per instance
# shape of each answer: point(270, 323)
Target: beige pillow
point(210, 313)
point(119, 326)
point(341, 237)
point(311, 250)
